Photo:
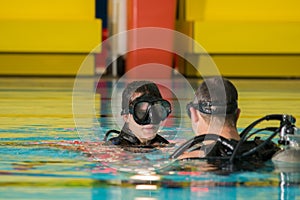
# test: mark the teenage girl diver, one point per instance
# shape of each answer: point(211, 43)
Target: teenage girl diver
point(143, 111)
point(225, 143)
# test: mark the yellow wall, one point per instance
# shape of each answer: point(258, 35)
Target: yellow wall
point(47, 9)
point(251, 37)
point(249, 65)
point(245, 38)
point(60, 36)
point(45, 64)
point(246, 10)
point(34, 32)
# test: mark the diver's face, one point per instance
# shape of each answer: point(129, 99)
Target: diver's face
point(143, 132)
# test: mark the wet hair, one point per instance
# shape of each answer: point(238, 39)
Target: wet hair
point(222, 93)
point(143, 87)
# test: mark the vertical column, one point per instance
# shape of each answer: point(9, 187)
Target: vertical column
point(150, 13)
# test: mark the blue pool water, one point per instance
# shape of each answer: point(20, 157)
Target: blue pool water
point(44, 157)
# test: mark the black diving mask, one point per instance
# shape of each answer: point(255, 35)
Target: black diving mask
point(213, 108)
point(147, 109)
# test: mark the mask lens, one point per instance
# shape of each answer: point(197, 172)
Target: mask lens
point(141, 110)
point(158, 113)
point(151, 112)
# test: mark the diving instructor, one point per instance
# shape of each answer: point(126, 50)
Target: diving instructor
point(214, 118)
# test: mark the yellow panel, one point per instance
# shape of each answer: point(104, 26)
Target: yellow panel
point(45, 64)
point(247, 10)
point(49, 36)
point(253, 65)
point(205, 70)
point(259, 65)
point(241, 37)
point(47, 9)
point(195, 10)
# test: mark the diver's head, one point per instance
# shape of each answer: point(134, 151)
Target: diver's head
point(143, 109)
point(211, 102)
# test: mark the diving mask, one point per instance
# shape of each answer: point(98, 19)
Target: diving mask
point(147, 109)
point(208, 107)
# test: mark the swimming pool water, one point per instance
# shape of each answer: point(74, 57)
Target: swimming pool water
point(44, 157)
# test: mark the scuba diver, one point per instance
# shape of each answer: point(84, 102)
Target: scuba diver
point(143, 111)
point(214, 121)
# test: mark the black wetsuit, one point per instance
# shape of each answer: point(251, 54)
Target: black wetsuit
point(262, 154)
point(223, 148)
point(129, 141)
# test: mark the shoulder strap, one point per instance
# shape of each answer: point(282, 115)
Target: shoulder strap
point(199, 139)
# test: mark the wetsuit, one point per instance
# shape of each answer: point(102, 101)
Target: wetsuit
point(130, 142)
point(263, 154)
point(223, 148)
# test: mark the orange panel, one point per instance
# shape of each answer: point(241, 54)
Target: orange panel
point(150, 13)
